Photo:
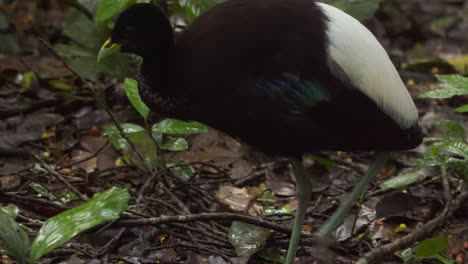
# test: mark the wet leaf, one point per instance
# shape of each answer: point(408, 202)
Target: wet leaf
point(462, 109)
point(406, 255)
point(453, 85)
point(57, 197)
point(247, 239)
point(400, 181)
point(131, 89)
point(81, 53)
point(431, 247)
point(175, 144)
point(174, 126)
point(140, 138)
point(10, 210)
point(13, 239)
point(451, 129)
point(183, 172)
point(59, 229)
point(457, 148)
point(274, 210)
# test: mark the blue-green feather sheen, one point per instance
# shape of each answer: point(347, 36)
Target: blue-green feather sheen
point(298, 95)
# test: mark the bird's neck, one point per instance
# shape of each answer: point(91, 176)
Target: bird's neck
point(154, 79)
point(155, 70)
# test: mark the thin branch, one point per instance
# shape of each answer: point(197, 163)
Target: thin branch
point(59, 176)
point(85, 159)
point(208, 217)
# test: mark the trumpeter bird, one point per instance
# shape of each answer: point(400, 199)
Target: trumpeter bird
point(285, 76)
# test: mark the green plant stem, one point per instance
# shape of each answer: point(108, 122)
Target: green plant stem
point(303, 193)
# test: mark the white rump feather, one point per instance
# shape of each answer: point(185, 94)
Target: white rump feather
point(364, 62)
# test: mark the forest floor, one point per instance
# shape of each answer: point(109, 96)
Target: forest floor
point(53, 156)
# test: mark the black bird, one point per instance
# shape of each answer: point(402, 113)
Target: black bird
point(285, 76)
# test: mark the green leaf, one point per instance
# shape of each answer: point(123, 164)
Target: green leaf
point(81, 8)
point(57, 230)
point(462, 109)
point(58, 197)
point(451, 129)
point(455, 80)
point(4, 24)
point(442, 93)
point(107, 9)
point(10, 210)
point(400, 181)
point(443, 260)
point(142, 141)
point(247, 239)
point(183, 172)
point(359, 9)
point(453, 85)
point(274, 210)
point(406, 255)
point(28, 78)
point(131, 89)
point(272, 255)
point(191, 9)
point(81, 53)
point(13, 239)
point(431, 247)
point(174, 126)
point(114, 135)
point(327, 163)
point(10, 44)
point(457, 148)
point(175, 144)
point(84, 32)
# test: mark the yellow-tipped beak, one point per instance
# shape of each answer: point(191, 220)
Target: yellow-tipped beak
point(107, 49)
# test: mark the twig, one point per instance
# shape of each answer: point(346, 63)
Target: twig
point(251, 177)
point(147, 184)
point(208, 217)
point(59, 176)
point(106, 247)
point(85, 159)
point(417, 235)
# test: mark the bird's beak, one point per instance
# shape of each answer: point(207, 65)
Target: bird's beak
point(107, 49)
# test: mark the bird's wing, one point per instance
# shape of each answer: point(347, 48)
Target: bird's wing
point(293, 95)
point(357, 58)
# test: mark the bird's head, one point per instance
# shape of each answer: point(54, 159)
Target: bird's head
point(139, 29)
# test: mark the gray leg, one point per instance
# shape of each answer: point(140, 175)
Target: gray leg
point(303, 192)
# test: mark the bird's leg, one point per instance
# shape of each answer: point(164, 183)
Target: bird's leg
point(303, 192)
point(332, 223)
